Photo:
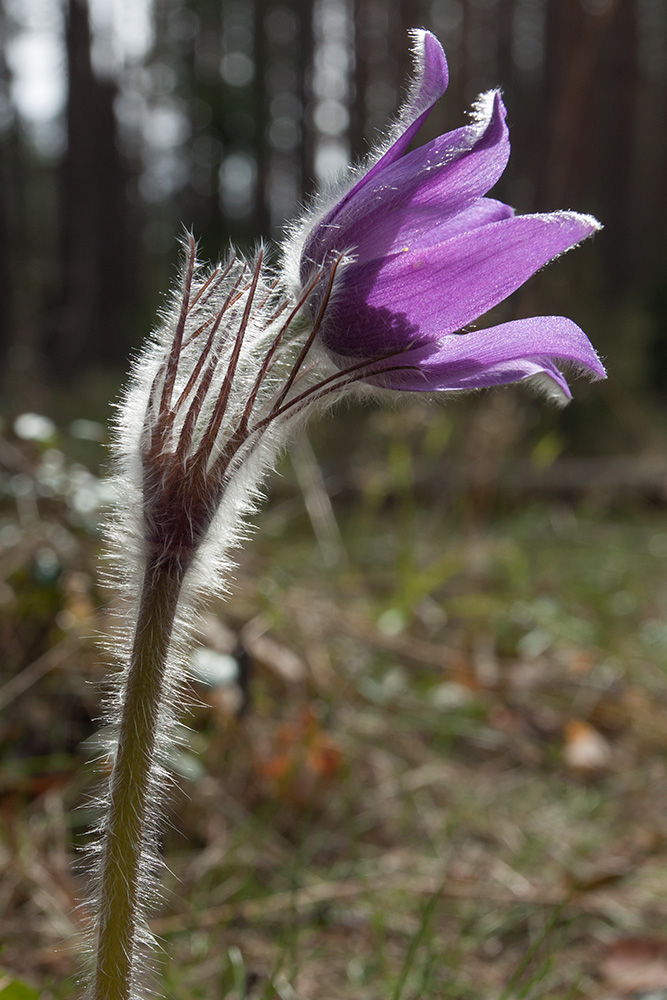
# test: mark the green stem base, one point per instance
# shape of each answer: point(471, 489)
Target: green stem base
point(130, 784)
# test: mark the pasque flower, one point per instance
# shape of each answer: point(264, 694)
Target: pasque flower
point(423, 253)
point(385, 276)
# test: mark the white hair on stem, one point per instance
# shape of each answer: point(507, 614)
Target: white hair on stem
point(231, 371)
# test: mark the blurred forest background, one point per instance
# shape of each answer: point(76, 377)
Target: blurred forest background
point(122, 122)
point(429, 751)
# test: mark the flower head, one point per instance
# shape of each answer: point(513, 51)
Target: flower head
point(422, 253)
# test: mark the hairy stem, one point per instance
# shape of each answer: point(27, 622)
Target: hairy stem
point(126, 833)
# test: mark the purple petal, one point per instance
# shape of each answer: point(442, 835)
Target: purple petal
point(429, 84)
point(481, 213)
point(498, 355)
point(430, 184)
point(465, 163)
point(418, 379)
point(438, 289)
point(421, 226)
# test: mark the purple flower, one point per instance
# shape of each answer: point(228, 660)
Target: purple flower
point(425, 253)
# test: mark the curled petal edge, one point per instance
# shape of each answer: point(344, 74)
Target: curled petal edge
point(525, 349)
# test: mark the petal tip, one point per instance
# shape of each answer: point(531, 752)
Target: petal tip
point(487, 106)
point(431, 75)
point(586, 222)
